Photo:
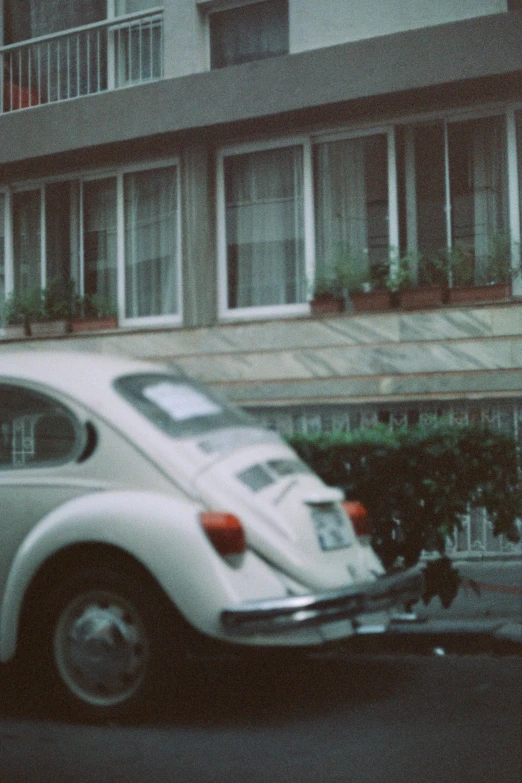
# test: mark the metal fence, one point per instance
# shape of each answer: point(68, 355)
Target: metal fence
point(84, 61)
point(476, 538)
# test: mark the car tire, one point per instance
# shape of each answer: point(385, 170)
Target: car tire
point(104, 643)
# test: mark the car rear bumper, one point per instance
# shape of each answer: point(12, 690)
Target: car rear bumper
point(298, 611)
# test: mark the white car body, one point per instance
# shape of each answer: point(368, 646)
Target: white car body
point(127, 483)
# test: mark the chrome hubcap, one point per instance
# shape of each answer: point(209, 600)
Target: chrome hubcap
point(101, 648)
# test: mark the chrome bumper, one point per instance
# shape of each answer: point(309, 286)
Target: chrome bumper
point(292, 612)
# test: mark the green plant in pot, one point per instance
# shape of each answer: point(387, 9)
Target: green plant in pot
point(16, 312)
point(327, 293)
point(399, 274)
point(94, 311)
point(503, 261)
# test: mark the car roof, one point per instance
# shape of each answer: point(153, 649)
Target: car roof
point(75, 373)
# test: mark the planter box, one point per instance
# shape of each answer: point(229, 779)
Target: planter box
point(15, 331)
point(49, 328)
point(326, 304)
point(94, 324)
point(371, 300)
point(423, 296)
point(480, 293)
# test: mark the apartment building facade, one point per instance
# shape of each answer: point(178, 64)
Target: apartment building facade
point(198, 163)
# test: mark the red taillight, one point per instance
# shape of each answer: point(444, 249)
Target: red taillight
point(225, 532)
point(359, 517)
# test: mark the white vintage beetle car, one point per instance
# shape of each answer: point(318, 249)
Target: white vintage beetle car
point(136, 508)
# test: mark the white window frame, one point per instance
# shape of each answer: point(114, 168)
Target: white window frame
point(507, 111)
point(150, 320)
point(393, 196)
point(83, 177)
point(268, 311)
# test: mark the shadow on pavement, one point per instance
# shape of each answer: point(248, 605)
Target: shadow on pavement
point(258, 690)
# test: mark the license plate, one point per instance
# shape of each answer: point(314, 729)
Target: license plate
point(331, 528)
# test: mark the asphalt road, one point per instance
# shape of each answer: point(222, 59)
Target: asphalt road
point(362, 719)
point(335, 717)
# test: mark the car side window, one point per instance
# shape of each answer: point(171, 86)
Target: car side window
point(35, 430)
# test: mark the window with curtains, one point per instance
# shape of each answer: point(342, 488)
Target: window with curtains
point(151, 263)
point(115, 237)
point(100, 238)
point(2, 254)
point(27, 239)
point(264, 216)
point(351, 204)
point(454, 189)
point(248, 32)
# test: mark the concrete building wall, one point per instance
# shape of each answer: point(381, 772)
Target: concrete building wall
point(329, 22)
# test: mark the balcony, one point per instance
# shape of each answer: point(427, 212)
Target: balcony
point(108, 55)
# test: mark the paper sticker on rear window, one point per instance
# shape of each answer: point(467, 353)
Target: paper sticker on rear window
point(181, 402)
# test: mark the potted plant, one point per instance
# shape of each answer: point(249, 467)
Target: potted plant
point(493, 283)
point(363, 284)
point(328, 295)
point(93, 312)
point(51, 308)
point(427, 291)
point(16, 316)
point(398, 276)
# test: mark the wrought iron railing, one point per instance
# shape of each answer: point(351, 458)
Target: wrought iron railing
point(94, 58)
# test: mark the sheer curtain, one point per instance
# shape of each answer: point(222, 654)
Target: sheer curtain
point(490, 198)
point(151, 263)
point(341, 203)
point(250, 32)
point(2, 255)
point(478, 185)
point(100, 244)
point(265, 228)
point(26, 239)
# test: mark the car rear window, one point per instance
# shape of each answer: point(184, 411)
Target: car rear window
point(179, 406)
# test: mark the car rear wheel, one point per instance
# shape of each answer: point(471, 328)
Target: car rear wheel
point(105, 642)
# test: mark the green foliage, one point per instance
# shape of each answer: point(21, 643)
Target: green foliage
point(418, 482)
point(400, 270)
point(93, 306)
point(16, 309)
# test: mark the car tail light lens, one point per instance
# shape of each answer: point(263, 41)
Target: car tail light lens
point(358, 514)
point(225, 532)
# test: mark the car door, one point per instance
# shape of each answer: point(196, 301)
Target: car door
point(39, 438)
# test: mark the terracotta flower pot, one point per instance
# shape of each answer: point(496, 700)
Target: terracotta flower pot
point(371, 300)
point(94, 324)
point(49, 328)
point(480, 293)
point(423, 296)
point(324, 304)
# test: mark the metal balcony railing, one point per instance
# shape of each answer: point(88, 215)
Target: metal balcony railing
point(102, 56)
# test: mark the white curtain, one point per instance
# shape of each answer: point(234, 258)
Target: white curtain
point(151, 263)
point(100, 244)
point(249, 32)
point(341, 202)
point(2, 255)
point(26, 235)
point(265, 228)
point(490, 179)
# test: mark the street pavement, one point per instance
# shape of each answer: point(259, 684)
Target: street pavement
point(488, 604)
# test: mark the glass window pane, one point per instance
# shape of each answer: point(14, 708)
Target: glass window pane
point(2, 255)
point(34, 429)
point(99, 239)
point(151, 262)
point(351, 196)
point(265, 228)
point(250, 32)
point(26, 240)
point(478, 185)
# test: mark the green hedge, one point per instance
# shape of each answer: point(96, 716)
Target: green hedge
point(418, 482)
